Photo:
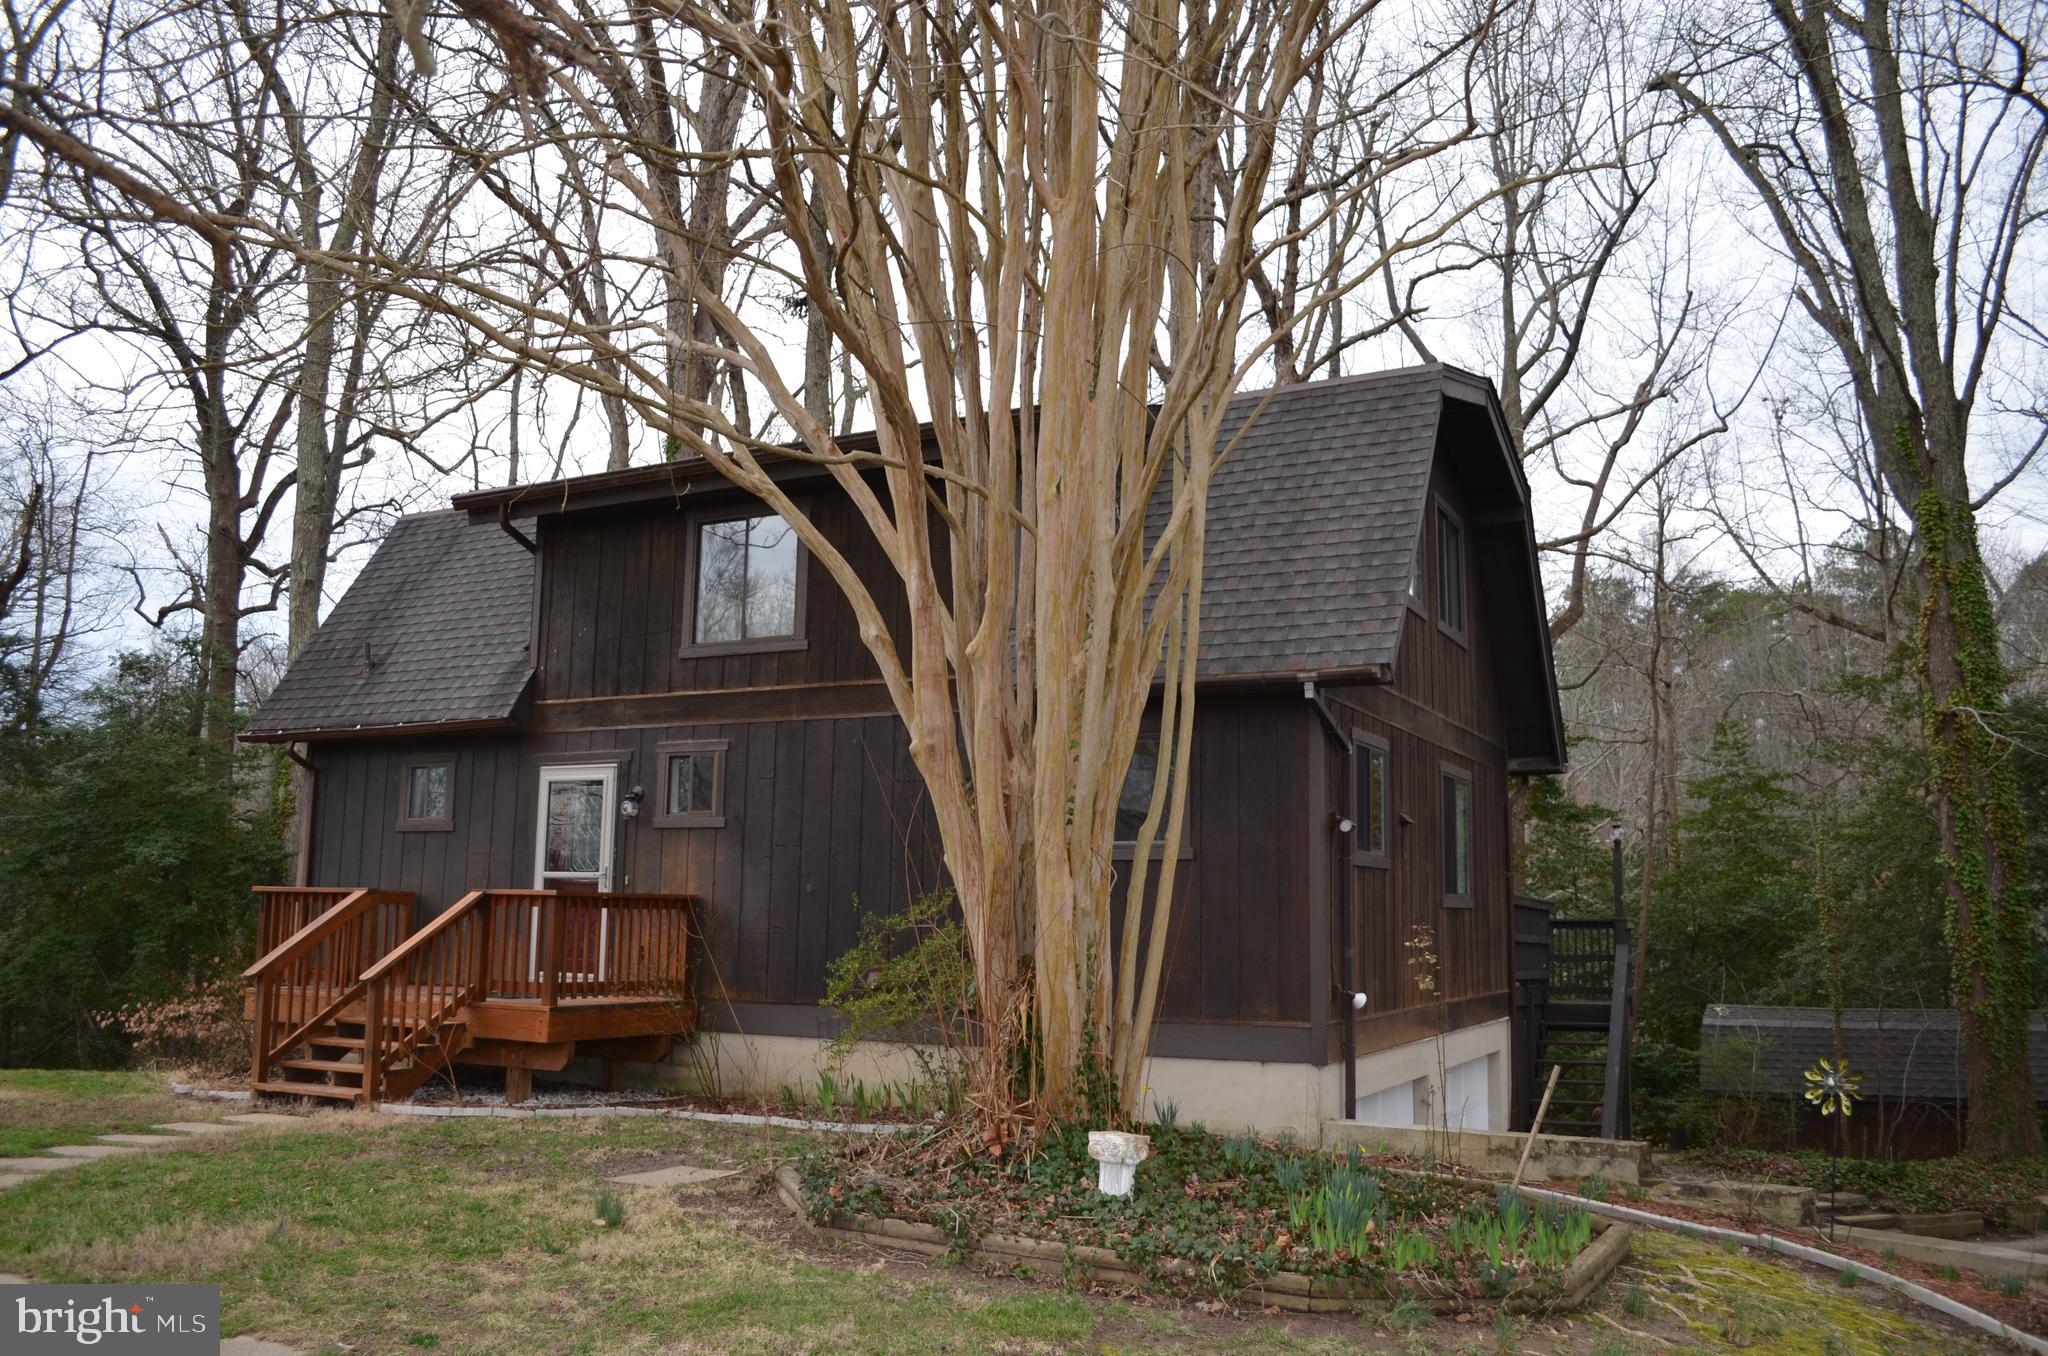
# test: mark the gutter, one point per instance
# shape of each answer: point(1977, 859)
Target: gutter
point(1347, 941)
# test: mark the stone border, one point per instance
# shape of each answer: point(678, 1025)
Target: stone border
point(1291, 1290)
point(210, 1094)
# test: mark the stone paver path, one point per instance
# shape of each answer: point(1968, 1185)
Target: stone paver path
point(15, 1171)
point(683, 1174)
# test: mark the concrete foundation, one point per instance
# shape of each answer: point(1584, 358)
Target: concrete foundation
point(1555, 1158)
point(1227, 1095)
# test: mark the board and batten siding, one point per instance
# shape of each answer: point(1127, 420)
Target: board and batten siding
point(826, 819)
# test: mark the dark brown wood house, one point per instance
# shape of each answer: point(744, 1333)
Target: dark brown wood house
point(634, 685)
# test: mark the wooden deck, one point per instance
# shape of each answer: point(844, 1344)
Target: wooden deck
point(518, 979)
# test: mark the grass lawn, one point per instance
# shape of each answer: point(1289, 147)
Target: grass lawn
point(39, 1108)
point(379, 1234)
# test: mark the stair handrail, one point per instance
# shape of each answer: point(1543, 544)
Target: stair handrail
point(469, 980)
point(272, 972)
point(309, 936)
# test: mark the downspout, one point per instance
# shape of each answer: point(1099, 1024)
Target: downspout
point(302, 871)
point(1347, 943)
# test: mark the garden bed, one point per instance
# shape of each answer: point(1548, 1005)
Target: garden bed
point(1235, 1218)
point(2007, 1193)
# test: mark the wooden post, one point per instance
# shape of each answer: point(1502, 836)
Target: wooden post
point(480, 974)
point(615, 1075)
point(1536, 1126)
point(518, 1085)
point(260, 1058)
point(373, 1041)
point(1613, 1115)
point(551, 948)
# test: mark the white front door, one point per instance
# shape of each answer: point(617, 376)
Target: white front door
point(573, 854)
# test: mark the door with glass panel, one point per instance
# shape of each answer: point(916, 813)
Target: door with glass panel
point(573, 855)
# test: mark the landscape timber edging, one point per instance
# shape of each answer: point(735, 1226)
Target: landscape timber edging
point(1291, 1290)
point(514, 1113)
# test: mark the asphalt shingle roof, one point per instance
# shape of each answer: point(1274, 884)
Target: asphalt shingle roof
point(433, 630)
point(1313, 520)
point(1903, 1054)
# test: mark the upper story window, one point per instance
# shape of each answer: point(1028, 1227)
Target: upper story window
point(1368, 800)
point(1450, 572)
point(748, 587)
point(1418, 573)
point(427, 795)
point(1457, 835)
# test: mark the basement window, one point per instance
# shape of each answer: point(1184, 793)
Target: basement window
point(693, 784)
point(427, 795)
point(1457, 826)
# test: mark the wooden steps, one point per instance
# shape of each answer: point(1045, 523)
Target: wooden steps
point(352, 1003)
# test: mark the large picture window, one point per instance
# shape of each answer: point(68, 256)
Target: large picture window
point(1457, 826)
point(1450, 573)
point(1368, 800)
point(748, 588)
point(426, 790)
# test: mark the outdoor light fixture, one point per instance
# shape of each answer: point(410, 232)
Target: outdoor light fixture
point(1614, 832)
point(629, 804)
point(1345, 826)
point(1358, 1002)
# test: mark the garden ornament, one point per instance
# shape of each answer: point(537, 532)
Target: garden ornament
point(1117, 1156)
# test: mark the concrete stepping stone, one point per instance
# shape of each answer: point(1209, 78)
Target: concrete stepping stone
point(13, 1179)
point(254, 1346)
point(39, 1164)
point(140, 1141)
point(9, 1278)
point(90, 1150)
point(264, 1118)
point(683, 1174)
point(199, 1127)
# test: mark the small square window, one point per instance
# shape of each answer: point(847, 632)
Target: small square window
point(1368, 800)
point(427, 796)
point(692, 784)
point(1457, 831)
point(1450, 573)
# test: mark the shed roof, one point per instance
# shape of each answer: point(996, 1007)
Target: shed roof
point(1903, 1054)
point(434, 631)
point(1313, 524)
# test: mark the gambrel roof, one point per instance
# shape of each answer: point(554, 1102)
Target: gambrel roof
point(1312, 529)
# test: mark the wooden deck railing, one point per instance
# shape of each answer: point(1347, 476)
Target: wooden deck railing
point(535, 946)
point(308, 977)
point(281, 910)
point(1582, 959)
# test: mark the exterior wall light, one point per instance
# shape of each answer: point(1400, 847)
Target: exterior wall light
point(629, 804)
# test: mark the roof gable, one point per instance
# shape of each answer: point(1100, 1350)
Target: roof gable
point(434, 631)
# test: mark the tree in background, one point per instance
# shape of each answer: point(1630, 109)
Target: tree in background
point(1563, 857)
point(1895, 156)
point(125, 861)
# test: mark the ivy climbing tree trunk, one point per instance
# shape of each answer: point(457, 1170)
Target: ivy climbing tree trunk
point(1899, 167)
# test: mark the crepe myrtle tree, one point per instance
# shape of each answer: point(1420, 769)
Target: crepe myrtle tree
point(1006, 218)
point(1009, 221)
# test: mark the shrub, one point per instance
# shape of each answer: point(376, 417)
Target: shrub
point(908, 979)
point(206, 1032)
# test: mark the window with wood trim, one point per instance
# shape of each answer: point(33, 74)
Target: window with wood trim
point(692, 784)
point(1135, 802)
point(1368, 800)
point(426, 795)
point(747, 584)
point(1418, 571)
point(1450, 572)
point(1457, 837)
